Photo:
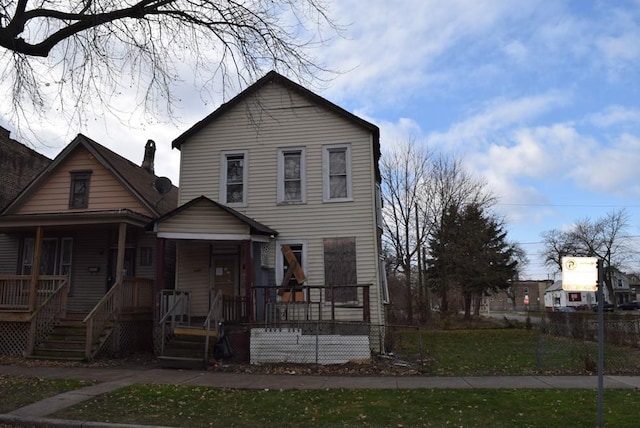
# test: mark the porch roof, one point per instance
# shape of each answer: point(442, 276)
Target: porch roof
point(197, 219)
point(12, 222)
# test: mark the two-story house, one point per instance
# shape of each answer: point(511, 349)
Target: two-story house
point(79, 270)
point(280, 176)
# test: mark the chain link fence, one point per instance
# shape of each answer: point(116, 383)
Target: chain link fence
point(552, 343)
point(568, 343)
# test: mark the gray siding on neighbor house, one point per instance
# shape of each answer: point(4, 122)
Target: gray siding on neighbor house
point(283, 119)
point(90, 249)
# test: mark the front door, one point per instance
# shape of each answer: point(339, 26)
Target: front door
point(128, 268)
point(225, 275)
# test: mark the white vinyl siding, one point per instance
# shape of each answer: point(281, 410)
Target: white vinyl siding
point(282, 119)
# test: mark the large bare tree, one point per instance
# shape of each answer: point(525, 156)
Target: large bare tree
point(606, 238)
point(405, 171)
point(72, 53)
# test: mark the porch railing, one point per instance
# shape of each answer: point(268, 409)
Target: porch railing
point(43, 319)
point(130, 295)
point(313, 303)
point(15, 290)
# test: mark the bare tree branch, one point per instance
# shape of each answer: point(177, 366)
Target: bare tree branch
point(72, 52)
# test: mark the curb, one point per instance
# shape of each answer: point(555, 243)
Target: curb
point(20, 421)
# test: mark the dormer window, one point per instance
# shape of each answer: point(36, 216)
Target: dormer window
point(79, 191)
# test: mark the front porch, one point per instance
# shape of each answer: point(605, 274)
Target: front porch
point(310, 325)
point(34, 312)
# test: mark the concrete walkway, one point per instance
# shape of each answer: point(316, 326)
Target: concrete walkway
point(111, 379)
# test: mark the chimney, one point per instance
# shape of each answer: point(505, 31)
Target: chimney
point(149, 154)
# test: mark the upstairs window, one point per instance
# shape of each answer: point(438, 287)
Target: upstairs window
point(336, 164)
point(291, 175)
point(234, 171)
point(79, 190)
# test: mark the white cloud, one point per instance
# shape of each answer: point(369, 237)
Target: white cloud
point(615, 115)
point(495, 118)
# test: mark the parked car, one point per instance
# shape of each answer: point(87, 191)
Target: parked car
point(608, 307)
point(564, 309)
point(629, 306)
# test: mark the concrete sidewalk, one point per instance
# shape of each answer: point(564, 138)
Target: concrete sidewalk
point(111, 379)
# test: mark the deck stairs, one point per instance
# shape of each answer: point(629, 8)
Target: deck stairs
point(67, 340)
point(185, 348)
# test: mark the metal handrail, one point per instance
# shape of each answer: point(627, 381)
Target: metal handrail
point(173, 308)
point(163, 321)
point(214, 311)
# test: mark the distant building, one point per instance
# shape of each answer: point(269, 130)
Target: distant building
point(513, 299)
point(19, 165)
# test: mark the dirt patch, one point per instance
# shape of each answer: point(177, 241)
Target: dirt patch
point(377, 366)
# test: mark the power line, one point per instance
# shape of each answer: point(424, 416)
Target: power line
point(568, 205)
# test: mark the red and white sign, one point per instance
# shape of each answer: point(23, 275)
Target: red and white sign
point(526, 299)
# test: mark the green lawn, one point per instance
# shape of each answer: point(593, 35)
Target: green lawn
point(188, 406)
point(507, 352)
point(16, 392)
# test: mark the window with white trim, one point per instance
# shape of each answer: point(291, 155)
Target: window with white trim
point(336, 171)
point(291, 175)
point(234, 178)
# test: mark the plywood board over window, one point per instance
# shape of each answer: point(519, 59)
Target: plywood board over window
point(340, 269)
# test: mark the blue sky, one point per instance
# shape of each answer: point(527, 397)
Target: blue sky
point(539, 97)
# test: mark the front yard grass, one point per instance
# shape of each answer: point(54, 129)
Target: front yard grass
point(507, 352)
point(16, 392)
point(189, 406)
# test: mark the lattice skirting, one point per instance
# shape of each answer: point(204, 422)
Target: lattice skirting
point(128, 337)
point(13, 337)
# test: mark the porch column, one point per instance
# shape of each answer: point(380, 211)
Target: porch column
point(159, 283)
point(248, 276)
point(122, 237)
point(35, 270)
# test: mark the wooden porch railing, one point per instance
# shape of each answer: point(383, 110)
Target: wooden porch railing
point(130, 295)
point(320, 303)
point(15, 290)
point(43, 319)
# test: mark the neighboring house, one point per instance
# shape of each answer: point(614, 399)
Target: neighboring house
point(623, 290)
point(555, 297)
point(19, 165)
point(79, 255)
point(280, 168)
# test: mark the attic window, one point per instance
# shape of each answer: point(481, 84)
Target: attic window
point(79, 190)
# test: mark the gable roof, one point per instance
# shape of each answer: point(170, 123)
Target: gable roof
point(255, 226)
point(273, 76)
point(135, 178)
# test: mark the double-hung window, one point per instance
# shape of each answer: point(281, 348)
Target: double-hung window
point(291, 175)
point(336, 169)
point(233, 182)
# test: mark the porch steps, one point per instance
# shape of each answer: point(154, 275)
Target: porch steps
point(185, 350)
point(66, 342)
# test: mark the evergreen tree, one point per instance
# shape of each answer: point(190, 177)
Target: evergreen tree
point(469, 252)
